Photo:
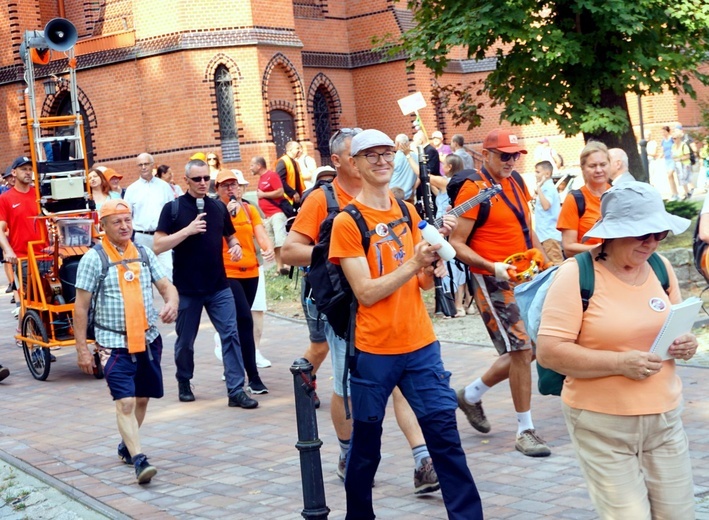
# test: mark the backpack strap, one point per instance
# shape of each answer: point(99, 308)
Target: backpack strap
point(587, 277)
point(330, 198)
point(658, 266)
point(174, 209)
point(580, 201)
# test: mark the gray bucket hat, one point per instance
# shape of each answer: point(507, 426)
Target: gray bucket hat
point(634, 209)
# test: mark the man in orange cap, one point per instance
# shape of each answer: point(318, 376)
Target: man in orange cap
point(485, 237)
point(125, 323)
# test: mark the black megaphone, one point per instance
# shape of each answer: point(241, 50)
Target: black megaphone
point(60, 34)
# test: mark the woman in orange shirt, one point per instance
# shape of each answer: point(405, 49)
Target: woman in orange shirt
point(622, 404)
point(595, 166)
point(243, 275)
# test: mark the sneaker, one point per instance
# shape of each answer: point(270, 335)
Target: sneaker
point(144, 471)
point(256, 386)
point(473, 412)
point(9, 289)
point(4, 372)
point(12, 300)
point(425, 478)
point(530, 444)
point(15, 311)
point(261, 362)
point(241, 400)
point(341, 466)
point(223, 377)
point(185, 391)
point(124, 454)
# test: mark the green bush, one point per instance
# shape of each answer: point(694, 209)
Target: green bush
point(682, 208)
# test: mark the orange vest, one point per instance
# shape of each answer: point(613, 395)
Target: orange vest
point(293, 177)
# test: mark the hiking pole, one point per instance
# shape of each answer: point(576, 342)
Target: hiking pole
point(314, 507)
point(444, 301)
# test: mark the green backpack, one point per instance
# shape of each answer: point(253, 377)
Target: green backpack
point(551, 382)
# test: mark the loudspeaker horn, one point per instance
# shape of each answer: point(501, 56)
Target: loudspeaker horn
point(60, 34)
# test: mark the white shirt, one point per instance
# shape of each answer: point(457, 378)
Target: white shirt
point(146, 199)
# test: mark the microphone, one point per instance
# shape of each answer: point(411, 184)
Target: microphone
point(233, 212)
point(200, 206)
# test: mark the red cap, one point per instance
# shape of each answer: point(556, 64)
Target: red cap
point(502, 140)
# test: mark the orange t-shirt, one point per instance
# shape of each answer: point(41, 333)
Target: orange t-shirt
point(501, 235)
point(569, 216)
point(620, 317)
point(399, 323)
point(247, 266)
point(314, 211)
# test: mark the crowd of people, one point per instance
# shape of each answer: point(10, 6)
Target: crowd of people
point(203, 248)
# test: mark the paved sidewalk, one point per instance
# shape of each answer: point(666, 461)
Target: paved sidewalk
point(220, 462)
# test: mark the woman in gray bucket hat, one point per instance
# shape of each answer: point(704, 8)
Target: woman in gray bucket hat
point(622, 404)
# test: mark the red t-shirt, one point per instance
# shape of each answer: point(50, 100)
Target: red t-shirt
point(269, 181)
point(18, 211)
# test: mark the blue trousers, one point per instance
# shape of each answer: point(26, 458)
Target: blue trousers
point(222, 313)
point(425, 384)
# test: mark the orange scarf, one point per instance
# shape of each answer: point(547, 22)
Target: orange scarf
point(129, 284)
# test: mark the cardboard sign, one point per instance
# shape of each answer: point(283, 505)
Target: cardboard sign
point(412, 103)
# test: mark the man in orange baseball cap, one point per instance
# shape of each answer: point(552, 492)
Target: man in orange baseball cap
point(485, 237)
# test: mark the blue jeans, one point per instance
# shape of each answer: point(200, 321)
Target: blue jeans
point(222, 313)
point(425, 384)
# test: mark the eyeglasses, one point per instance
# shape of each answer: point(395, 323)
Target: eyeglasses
point(205, 178)
point(657, 236)
point(144, 164)
point(506, 156)
point(373, 157)
point(228, 185)
point(346, 131)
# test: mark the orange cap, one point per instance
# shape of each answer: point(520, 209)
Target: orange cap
point(114, 207)
point(110, 173)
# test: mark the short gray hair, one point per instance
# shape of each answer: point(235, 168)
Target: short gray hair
point(192, 163)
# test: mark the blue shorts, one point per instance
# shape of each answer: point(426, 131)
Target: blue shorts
point(135, 375)
point(316, 325)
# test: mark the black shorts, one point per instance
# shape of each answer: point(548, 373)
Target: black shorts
point(135, 375)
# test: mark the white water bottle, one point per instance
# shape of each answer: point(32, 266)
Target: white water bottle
point(431, 235)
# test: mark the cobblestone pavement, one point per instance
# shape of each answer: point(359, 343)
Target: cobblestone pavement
point(220, 462)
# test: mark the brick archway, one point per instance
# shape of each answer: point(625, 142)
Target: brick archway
point(51, 105)
point(296, 84)
point(321, 81)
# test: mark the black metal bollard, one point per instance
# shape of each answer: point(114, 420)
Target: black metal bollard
point(308, 442)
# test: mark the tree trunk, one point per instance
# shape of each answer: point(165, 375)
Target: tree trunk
point(626, 141)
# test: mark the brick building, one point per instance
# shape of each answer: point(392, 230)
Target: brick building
point(240, 78)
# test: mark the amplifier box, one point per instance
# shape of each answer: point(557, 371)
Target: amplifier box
point(67, 188)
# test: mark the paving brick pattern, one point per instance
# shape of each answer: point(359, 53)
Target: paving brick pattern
point(220, 462)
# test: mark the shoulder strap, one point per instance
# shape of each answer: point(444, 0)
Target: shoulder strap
point(356, 215)
point(658, 266)
point(587, 277)
point(174, 208)
point(580, 201)
point(330, 198)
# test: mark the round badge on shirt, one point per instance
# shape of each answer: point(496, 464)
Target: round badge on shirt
point(381, 229)
point(128, 276)
point(657, 304)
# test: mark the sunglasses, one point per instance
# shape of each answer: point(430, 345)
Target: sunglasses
point(506, 156)
point(205, 178)
point(657, 236)
point(211, 158)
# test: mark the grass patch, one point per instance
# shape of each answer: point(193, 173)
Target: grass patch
point(282, 288)
point(682, 240)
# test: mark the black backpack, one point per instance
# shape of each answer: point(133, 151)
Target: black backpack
point(327, 284)
point(699, 247)
point(319, 184)
point(580, 201)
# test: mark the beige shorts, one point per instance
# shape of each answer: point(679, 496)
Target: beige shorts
point(276, 228)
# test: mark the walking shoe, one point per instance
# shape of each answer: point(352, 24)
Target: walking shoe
point(185, 391)
point(261, 362)
point(256, 386)
point(531, 444)
point(9, 289)
point(341, 466)
point(144, 471)
point(473, 412)
point(425, 478)
point(124, 454)
point(12, 300)
point(4, 372)
point(241, 400)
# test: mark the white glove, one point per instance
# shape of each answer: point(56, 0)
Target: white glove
point(501, 273)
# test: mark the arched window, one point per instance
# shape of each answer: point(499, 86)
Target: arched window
point(282, 129)
point(323, 128)
point(226, 113)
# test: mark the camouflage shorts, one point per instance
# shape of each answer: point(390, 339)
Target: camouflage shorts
point(496, 302)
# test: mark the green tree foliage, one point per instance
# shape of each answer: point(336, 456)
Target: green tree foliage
point(569, 62)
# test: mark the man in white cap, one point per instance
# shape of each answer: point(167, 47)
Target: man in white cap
point(442, 149)
point(401, 350)
point(298, 250)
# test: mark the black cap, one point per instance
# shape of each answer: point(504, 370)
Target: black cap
point(20, 161)
point(7, 173)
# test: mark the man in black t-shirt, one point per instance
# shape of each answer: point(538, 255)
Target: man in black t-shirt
point(195, 233)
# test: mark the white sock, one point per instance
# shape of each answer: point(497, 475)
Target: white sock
point(524, 421)
point(475, 390)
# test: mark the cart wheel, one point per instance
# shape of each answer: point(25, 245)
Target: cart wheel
point(98, 371)
point(37, 357)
